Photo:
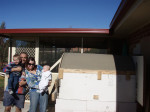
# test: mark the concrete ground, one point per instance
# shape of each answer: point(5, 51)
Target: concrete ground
point(26, 108)
point(51, 107)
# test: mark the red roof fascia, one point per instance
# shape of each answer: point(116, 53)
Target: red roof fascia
point(55, 30)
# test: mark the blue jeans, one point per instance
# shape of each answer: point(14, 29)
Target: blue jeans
point(13, 81)
point(38, 98)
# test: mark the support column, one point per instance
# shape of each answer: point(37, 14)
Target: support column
point(13, 52)
point(9, 54)
point(82, 46)
point(37, 50)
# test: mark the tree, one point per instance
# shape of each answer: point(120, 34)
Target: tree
point(4, 43)
point(2, 25)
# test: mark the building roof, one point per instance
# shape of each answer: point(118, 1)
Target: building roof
point(55, 30)
point(130, 16)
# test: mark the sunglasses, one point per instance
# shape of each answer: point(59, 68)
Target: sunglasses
point(31, 64)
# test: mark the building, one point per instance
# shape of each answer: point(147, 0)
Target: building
point(129, 34)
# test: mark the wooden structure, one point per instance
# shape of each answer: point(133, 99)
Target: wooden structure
point(88, 81)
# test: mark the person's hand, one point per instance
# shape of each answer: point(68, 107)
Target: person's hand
point(22, 83)
point(17, 69)
point(23, 73)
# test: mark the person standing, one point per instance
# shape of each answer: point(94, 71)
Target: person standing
point(17, 99)
point(33, 76)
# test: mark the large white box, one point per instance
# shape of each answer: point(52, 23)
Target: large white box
point(98, 106)
point(73, 86)
point(63, 105)
point(111, 87)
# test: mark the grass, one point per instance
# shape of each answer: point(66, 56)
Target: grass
point(1, 81)
point(1, 88)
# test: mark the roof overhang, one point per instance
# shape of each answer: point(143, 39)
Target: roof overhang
point(51, 32)
point(61, 37)
point(55, 30)
point(130, 16)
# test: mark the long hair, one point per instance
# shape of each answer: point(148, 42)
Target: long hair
point(31, 59)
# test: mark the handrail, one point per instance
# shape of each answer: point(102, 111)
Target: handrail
point(52, 67)
point(2, 74)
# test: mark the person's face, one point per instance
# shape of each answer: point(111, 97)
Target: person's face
point(16, 60)
point(31, 65)
point(23, 58)
point(45, 69)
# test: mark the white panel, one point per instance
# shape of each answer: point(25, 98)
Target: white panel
point(73, 86)
point(102, 88)
point(140, 74)
point(63, 105)
point(79, 86)
point(97, 106)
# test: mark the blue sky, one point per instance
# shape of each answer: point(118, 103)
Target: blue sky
point(57, 13)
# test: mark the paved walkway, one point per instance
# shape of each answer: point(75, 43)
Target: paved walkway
point(51, 108)
point(13, 108)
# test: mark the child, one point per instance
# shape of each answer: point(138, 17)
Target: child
point(13, 77)
point(46, 77)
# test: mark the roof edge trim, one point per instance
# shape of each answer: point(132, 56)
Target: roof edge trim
point(55, 30)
